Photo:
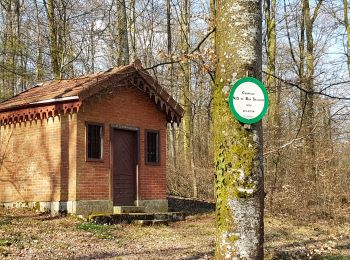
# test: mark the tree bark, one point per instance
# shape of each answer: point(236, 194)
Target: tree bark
point(186, 93)
point(309, 149)
point(237, 149)
point(275, 90)
point(274, 120)
point(123, 42)
point(39, 72)
point(347, 28)
point(54, 48)
point(9, 51)
point(172, 130)
point(133, 29)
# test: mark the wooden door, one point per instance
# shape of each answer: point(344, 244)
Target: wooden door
point(125, 154)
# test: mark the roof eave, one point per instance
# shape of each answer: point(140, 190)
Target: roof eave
point(163, 94)
point(43, 103)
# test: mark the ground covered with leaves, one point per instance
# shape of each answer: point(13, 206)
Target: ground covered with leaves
point(25, 234)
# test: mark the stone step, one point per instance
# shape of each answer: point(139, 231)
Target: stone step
point(154, 222)
point(128, 209)
point(170, 216)
point(123, 218)
point(127, 218)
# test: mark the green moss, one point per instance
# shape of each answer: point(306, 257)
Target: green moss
point(234, 157)
point(37, 205)
point(100, 231)
point(5, 242)
point(5, 221)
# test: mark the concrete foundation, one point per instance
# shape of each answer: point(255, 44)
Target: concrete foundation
point(89, 207)
point(84, 207)
point(153, 206)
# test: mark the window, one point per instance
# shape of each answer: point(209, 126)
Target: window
point(94, 141)
point(152, 147)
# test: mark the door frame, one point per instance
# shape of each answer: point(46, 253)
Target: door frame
point(126, 128)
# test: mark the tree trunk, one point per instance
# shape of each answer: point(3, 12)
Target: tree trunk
point(39, 71)
point(274, 120)
point(92, 50)
point(187, 124)
point(171, 133)
point(123, 43)
point(18, 56)
point(237, 149)
point(301, 68)
point(54, 48)
point(169, 46)
point(65, 43)
point(9, 51)
point(347, 28)
point(275, 90)
point(212, 4)
point(309, 149)
point(133, 29)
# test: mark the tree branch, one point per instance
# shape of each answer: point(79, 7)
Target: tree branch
point(288, 35)
point(283, 146)
point(307, 91)
point(203, 40)
point(191, 52)
point(317, 9)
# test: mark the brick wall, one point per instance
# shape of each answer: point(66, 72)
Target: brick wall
point(37, 160)
point(128, 107)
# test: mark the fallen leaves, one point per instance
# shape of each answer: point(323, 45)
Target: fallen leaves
point(28, 235)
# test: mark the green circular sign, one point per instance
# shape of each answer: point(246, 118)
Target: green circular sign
point(248, 100)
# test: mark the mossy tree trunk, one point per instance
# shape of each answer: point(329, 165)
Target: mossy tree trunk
point(237, 148)
point(39, 70)
point(132, 29)
point(274, 121)
point(186, 93)
point(171, 133)
point(54, 39)
point(10, 48)
point(20, 53)
point(123, 42)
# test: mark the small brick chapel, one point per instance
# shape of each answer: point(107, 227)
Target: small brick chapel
point(87, 144)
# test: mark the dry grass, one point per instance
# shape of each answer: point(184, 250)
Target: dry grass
point(25, 234)
point(294, 239)
point(28, 235)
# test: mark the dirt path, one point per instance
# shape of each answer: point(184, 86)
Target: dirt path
point(28, 235)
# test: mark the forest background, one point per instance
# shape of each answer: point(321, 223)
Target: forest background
point(306, 68)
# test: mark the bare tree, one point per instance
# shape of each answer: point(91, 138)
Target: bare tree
point(347, 28)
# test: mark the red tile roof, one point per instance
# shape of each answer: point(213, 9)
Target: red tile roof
point(78, 89)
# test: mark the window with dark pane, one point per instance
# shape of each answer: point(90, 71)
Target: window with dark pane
point(94, 141)
point(152, 147)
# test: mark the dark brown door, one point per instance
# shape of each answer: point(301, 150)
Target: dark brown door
point(124, 145)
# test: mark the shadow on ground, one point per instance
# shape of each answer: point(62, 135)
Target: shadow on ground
point(305, 255)
point(190, 206)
